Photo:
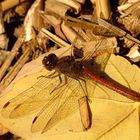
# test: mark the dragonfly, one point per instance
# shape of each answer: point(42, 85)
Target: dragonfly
point(58, 94)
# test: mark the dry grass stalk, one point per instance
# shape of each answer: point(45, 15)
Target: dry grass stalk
point(54, 38)
point(15, 69)
point(3, 37)
point(103, 9)
point(10, 57)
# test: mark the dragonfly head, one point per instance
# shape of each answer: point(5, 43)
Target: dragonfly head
point(50, 61)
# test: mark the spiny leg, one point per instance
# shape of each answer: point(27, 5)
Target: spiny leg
point(49, 76)
point(85, 86)
point(85, 90)
point(53, 76)
point(59, 85)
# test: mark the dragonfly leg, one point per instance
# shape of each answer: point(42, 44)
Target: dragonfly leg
point(59, 85)
point(52, 75)
point(85, 86)
point(84, 89)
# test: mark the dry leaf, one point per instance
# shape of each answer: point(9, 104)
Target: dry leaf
point(3, 130)
point(131, 18)
point(113, 115)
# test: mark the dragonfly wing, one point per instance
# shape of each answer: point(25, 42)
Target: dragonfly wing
point(100, 52)
point(31, 99)
point(102, 60)
point(46, 113)
point(95, 60)
point(61, 108)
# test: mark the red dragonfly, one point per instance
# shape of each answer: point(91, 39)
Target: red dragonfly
point(58, 93)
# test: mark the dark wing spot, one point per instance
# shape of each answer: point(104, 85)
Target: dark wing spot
point(34, 120)
point(6, 104)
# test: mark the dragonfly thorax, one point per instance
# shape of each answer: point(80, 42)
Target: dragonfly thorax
point(67, 65)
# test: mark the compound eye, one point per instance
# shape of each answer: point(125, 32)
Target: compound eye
point(50, 61)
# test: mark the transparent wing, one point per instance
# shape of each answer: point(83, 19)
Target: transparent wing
point(100, 51)
point(54, 106)
point(96, 64)
point(61, 108)
point(31, 99)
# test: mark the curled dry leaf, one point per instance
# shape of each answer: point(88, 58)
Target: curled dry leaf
point(131, 19)
point(134, 54)
point(33, 19)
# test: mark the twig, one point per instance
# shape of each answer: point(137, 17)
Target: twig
point(15, 69)
point(54, 38)
point(3, 37)
point(10, 57)
point(103, 9)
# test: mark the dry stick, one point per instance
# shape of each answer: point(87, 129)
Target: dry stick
point(54, 38)
point(103, 9)
point(15, 69)
point(3, 37)
point(10, 57)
